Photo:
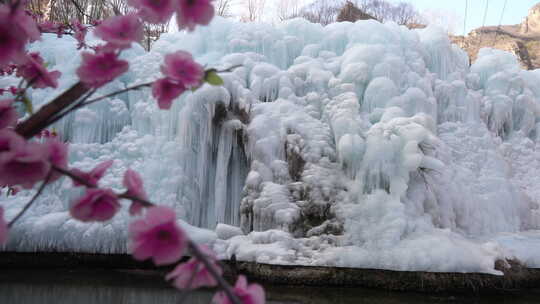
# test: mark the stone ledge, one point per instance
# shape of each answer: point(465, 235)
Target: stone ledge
point(516, 277)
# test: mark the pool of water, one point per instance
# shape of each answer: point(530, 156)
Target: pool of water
point(118, 287)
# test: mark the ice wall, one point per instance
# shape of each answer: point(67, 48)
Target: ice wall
point(362, 145)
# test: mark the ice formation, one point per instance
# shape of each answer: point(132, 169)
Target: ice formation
point(358, 145)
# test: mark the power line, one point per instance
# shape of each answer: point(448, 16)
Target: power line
point(485, 13)
point(500, 22)
point(465, 20)
point(484, 22)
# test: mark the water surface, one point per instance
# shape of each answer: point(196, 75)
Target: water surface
point(117, 287)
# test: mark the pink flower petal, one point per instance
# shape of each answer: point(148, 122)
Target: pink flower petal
point(94, 175)
point(193, 274)
point(98, 69)
point(256, 293)
point(98, 172)
point(181, 67)
point(21, 163)
point(136, 208)
point(165, 91)
point(58, 155)
point(3, 228)
point(193, 12)
point(154, 11)
point(96, 205)
point(8, 114)
point(134, 184)
point(16, 29)
point(33, 71)
point(157, 236)
point(241, 282)
point(248, 294)
point(120, 30)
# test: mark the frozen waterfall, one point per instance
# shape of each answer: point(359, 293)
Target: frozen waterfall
point(358, 145)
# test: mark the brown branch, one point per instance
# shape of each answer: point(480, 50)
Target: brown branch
point(199, 255)
point(81, 11)
point(135, 87)
point(69, 110)
point(39, 121)
point(29, 204)
point(84, 182)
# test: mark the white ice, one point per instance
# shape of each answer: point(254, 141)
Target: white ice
point(354, 145)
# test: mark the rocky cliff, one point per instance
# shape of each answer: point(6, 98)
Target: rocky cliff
point(523, 39)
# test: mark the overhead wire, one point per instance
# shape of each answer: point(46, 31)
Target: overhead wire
point(465, 19)
point(500, 23)
point(484, 22)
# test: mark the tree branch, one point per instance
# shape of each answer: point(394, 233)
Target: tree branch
point(197, 253)
point(37, 122)
point(29, 204)
point(135, 87)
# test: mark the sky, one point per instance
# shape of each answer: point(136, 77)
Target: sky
point(451, 13)
point(514, 13)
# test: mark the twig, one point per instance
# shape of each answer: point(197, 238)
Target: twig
point(136, 87)
point(221, 281)
point(29, 204)
point(88, 185)
point(37, 122)
point(185, 292)
point(66, 112)
point(81, 11)
point(229, 69)
point(199, 255)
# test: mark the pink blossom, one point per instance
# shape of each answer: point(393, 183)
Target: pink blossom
point(8, 115)
point(21, 163)
point(10, 141)
point(14, 190)
point(154, 11)
point(92, 177)
point(16, 29)
point(100, 68)
point(181, 67)
point(157, 236)
point(97, 205)
point(48, 26)
point(193, 274)
point(58, 155)
point(165, 91)
point(193, 12)
point(3, 228)
point(34, 71)
point(134, 184)
point(248, 294)
point(121, 30)
point(80, 32)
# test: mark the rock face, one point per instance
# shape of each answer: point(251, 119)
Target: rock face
point(351, 13)
point(523, 39)
point(532, 21)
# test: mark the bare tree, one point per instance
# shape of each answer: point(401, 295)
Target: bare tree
point(87, 11)
point(402, 13)
point(322, 11)
point(152, 32)
point(352, 13)
point(254, 10)
point(223, 7)
point(287, 9)
point(380, 9)
point(405, 13)
point(443, 19)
